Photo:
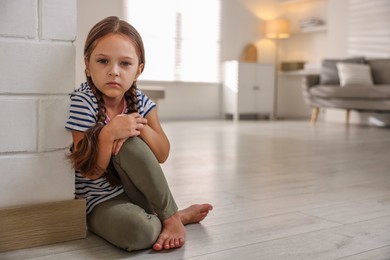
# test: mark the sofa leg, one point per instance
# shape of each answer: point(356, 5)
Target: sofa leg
point(314, 115)
point(347, 114)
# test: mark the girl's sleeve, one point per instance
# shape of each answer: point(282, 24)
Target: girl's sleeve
point(82, 112)
point(145, 104)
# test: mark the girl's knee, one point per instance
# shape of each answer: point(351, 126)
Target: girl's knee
point(133, 145)
point(134, 152)
point(125, 225)
point(134, 149)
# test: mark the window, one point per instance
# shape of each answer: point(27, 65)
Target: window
point(181, 38)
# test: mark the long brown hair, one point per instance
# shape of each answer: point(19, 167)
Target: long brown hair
point(84, 157)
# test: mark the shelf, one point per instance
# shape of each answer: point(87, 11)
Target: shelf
point(321, 28)
point(300, 72)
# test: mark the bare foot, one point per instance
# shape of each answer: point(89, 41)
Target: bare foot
point(173, 232)
point(172, 235)
point(194, 213)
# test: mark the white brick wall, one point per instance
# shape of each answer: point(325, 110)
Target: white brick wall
point(37, 74)
point(53, 112)
point(14, 13)
point(56, 14)
point(35, 178)
point(19, 120)
point(36, 67)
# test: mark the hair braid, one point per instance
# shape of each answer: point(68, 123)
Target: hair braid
point(101, 115)
point(131, 99)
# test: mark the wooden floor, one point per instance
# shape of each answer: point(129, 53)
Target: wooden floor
point(281, 190)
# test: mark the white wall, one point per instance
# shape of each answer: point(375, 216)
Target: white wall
point(336, 45)
point(242, 23)
point(37, 73)
point(307, 47)
point(239, 26)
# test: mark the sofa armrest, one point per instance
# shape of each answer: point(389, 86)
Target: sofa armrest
point(310, 81)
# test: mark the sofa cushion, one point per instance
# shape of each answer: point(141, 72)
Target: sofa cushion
point(380, 69)
point(351, 92)
point(329, 74)
point(354, 74)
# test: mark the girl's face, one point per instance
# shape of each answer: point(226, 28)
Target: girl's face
point(113, 66)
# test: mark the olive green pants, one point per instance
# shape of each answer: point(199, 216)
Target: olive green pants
point(132, 220)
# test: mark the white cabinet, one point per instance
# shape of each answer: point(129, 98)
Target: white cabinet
point(248, 89)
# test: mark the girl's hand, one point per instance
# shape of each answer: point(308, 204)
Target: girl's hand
point(124, 126)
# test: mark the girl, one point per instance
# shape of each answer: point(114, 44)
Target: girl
point(118, 143)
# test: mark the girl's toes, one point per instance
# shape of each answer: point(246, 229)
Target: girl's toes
point(177, 242)
point(167, 244)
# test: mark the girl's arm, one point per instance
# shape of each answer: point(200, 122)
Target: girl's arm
point(121, 127)
point(154, 136)
point(105, 145)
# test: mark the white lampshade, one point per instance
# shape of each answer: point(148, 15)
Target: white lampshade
point(277, 29)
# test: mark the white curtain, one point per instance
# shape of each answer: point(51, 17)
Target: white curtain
point(369, 28)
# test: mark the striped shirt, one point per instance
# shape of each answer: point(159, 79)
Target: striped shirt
point(82, 116)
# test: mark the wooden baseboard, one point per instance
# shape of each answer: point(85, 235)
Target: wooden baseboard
point(42, 224)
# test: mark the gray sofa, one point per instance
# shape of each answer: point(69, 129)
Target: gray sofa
point(325, 91)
